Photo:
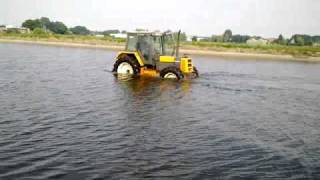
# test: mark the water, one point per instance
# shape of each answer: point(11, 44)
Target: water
point(65, 116)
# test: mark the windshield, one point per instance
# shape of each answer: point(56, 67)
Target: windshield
point(169, 45)
point(132, 42)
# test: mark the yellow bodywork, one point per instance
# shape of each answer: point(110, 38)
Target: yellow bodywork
point(136, 54)
point(167, 59)
point(186, 65)
point(149, 72)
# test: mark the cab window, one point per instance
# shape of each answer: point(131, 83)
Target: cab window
point(132, 42)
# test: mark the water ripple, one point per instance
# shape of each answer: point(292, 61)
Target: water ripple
point(64, 116)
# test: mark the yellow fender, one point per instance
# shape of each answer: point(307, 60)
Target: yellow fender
point(135, 54)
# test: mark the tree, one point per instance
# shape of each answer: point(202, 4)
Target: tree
point(32, 24)
point(183, 36)
point(302, 40)
point(316, 39)
point(227, 35)
point(216, 38)
point(299, 41)
point(58, 27)
point(240, 38)
point(281, 40)
point(194, 38)
point(108, 32)
point(81, 30)
point(38, 31)
point(45, 21)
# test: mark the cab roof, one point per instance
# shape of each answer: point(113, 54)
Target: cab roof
point(152, 33)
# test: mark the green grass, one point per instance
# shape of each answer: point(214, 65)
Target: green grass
point(297, 51)
point(63, 38)
point(305, 51)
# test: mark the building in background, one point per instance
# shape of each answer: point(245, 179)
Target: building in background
point(2, 28)
point(119, 35)
point(257, 41)
point(13, 29)
point(197, 38)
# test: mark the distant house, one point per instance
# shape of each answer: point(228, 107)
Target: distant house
point(189, 38)
point(99, 35)
point(292, 41)
point(271, 40)
point(10, 28)
point(199, 38)
point(257, 41)
point(19, 30)
point(119, 35)
point(2, 28)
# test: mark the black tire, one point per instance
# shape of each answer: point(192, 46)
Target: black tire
point(133, 62)
point(195, 72)
point(172, 69)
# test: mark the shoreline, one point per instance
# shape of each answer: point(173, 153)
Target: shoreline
point(189, 51)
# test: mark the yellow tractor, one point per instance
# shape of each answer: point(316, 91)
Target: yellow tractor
point(154, 54)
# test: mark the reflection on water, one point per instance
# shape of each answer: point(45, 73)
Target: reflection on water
point(64, 117)
point(139, 85)
point(124, 77)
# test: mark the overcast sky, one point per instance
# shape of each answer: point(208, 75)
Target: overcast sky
point(268, 18)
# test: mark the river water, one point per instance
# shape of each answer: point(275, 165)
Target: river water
point(63, 115)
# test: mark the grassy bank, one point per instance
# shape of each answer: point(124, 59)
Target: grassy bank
point(93, 40)
point(274, 49)
point(203, 48)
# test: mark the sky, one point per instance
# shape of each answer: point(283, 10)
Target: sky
point(267, 18)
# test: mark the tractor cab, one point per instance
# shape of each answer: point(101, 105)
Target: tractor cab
point(153, 53)
point(151, 45)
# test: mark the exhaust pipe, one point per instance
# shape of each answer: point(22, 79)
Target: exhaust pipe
point(178, 44)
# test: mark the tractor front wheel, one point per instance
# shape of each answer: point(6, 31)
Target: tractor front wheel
point(171, 73)
point(126, 65)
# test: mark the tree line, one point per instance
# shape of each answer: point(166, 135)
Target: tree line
point(45, 25)
point(296, 39)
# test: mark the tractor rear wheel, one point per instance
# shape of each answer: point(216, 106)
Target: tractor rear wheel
point(126, 65)
point(171, 73)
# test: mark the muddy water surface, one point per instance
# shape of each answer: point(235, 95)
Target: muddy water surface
point(63, 115)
